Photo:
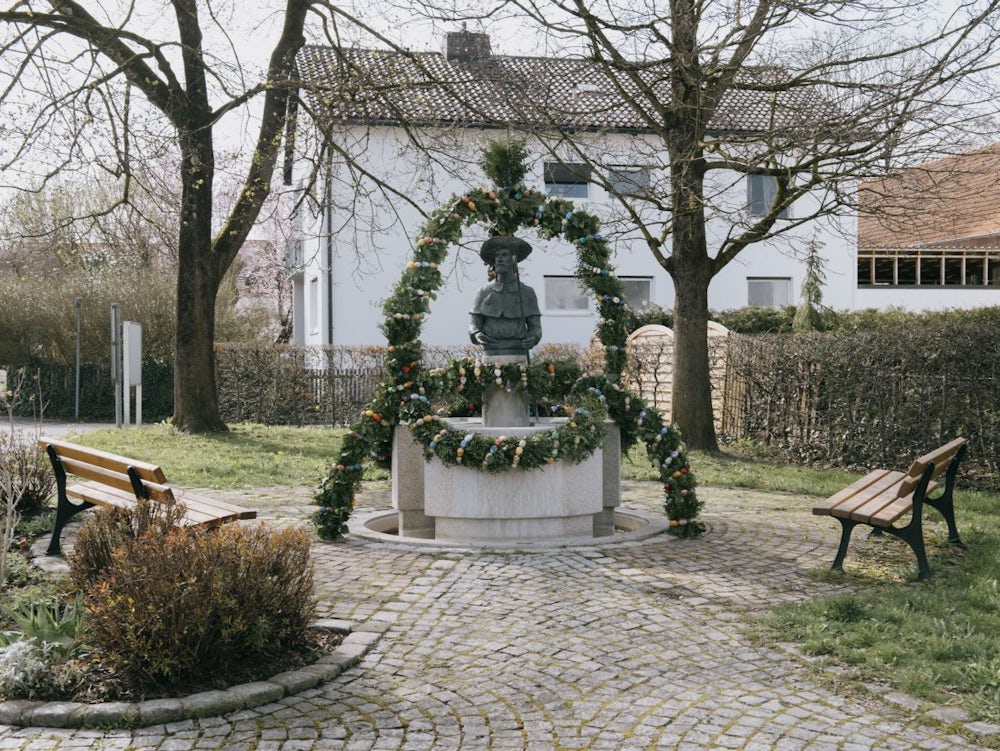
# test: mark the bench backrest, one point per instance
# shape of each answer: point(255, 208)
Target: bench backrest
point(939, 457)
point(108, 469)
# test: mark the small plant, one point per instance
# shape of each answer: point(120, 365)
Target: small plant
point(810, 314)
point(26, 479)
point(22, 669)
point(845, 609)
point(58, 627)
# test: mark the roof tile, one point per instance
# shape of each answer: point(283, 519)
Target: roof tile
point(380, 86)
point(949, 202)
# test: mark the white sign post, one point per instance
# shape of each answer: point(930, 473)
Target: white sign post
point(116, 360)
point(132, 368)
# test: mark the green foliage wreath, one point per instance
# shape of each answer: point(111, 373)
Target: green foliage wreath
point(418, 397)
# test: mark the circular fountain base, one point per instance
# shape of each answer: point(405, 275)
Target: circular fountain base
point(631, 525)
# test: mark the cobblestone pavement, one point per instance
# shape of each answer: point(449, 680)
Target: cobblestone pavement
point(637, 646)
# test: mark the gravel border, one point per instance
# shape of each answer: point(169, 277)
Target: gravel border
point(70, 714)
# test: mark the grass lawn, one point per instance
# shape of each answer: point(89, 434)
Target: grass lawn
point(248, 456)
point(936, 640)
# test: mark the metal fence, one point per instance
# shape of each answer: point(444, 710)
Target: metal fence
point(341, 394)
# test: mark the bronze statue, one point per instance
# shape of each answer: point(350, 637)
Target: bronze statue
point(505, 317)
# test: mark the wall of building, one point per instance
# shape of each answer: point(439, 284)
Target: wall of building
point(373, 236)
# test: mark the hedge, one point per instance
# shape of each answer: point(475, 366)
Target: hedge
point(264, 383)
point(871, 397)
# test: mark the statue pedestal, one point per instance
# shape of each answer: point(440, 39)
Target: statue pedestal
point(504, 408)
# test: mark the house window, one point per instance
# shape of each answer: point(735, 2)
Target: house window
point(761, 192)
point(906, 270)
point(769, 292)
point(313, 306)
point(638, 290)
point(293, 254)
point(629, 181)
point(567, 180)
point(928, 267)
point(565, 294)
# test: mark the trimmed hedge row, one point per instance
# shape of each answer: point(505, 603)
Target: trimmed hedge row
point(871, 397)
point(263, 383)
point(57, 385)
point(882, 388)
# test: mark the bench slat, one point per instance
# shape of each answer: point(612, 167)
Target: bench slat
point(113, 462)
point(877, 494)
point(891, 512)
point(101, 496)
point(874, 482)
point(887, 506)
point(940, 457)
point(868, 501)
point(194, 515)
point(95, 473)
point(888, 514)
point(113, 479)
point(221, 507)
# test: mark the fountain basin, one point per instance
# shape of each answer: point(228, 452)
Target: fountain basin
point(555, 501)
point(560, 501)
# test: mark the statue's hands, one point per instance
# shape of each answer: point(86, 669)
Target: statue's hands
point(480, 337)
point(529, 341)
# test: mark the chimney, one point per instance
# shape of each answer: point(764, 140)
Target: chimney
point(466, 47)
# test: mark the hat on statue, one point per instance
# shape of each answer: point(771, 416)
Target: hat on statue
point(518, 247)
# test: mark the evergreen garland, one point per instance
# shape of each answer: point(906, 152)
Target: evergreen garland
point(414, 396)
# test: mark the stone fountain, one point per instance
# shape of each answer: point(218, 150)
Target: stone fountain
point(561, 503)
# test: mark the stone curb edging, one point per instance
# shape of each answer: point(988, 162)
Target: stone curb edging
point(69, 714)
point(954, 717)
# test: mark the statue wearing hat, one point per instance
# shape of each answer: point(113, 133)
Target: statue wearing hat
point(505, 317)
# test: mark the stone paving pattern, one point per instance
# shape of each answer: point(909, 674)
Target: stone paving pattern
point(636, 646)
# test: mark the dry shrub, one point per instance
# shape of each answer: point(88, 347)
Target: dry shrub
point(27, 475)
point(178, 607)
point(111, 528)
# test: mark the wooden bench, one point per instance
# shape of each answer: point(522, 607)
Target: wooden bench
point(112, 480)
point(881, 498)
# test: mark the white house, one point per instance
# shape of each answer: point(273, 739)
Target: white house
point(354, 237)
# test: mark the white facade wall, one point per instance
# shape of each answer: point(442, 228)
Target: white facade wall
point(346, 274)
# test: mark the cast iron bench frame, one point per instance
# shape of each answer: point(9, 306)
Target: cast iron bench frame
point(116, 481)
point(881, 497)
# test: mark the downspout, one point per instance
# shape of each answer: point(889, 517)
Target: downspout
point(329, 258)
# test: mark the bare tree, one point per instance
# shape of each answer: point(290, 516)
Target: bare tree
point(92, 89)
point(70, 224)
point(835, 92)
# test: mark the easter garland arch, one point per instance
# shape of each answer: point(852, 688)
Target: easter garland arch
point(411, 390)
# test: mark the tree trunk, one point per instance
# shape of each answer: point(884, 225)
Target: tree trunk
point(196, 402)
point(692, 386)
point(691, 269)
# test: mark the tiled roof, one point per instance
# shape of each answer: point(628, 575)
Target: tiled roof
point(378, 86)
point(946, 203)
